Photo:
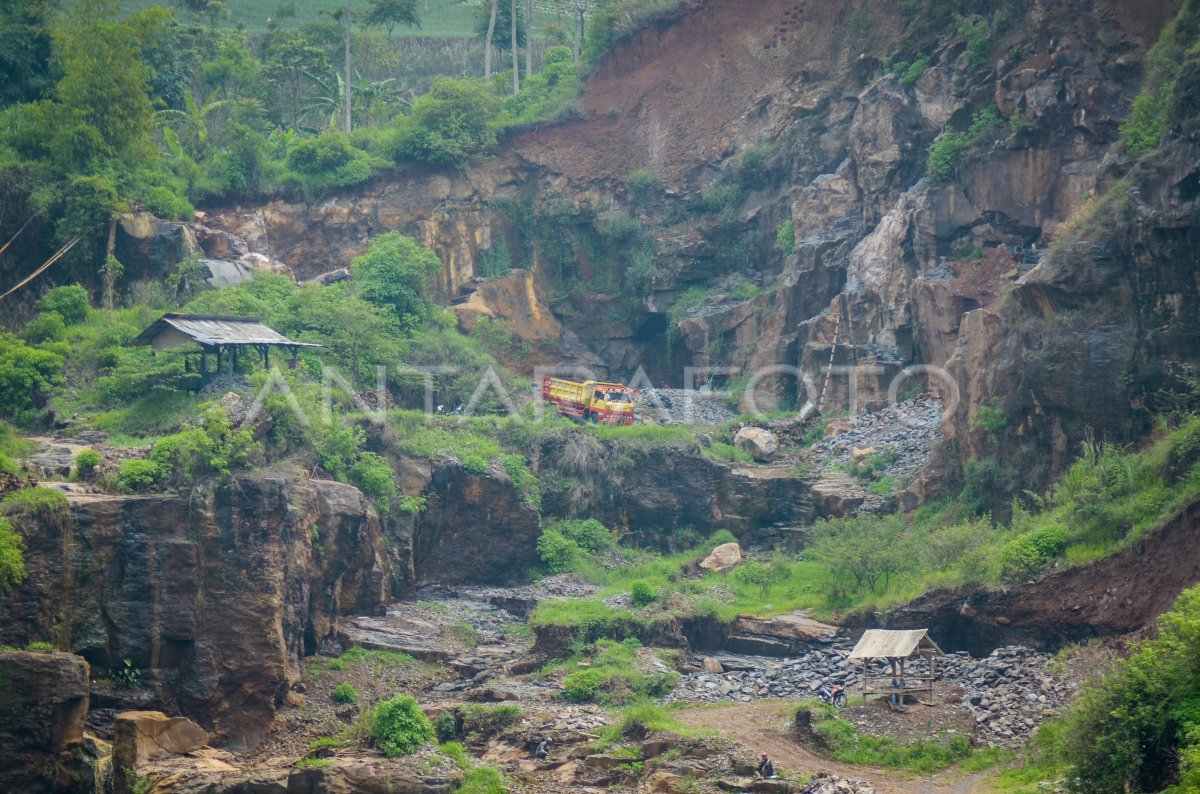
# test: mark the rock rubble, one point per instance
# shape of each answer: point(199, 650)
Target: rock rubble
point(908, 429)
point(1009, 693)
point(682, 407)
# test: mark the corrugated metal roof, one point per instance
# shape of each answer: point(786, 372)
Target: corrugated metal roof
point(211, 329)
point(892, 644)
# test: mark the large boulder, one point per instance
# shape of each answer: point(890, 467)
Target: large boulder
point(43, 702)
point(724, 558)
point(142, 736)
point(761, 444)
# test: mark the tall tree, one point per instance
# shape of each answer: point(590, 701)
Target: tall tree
point(528, 32)
point(516, 51)
point(346, 31)
point(387, 14)
point(487, 43)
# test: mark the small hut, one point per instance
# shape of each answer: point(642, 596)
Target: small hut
point(896, 648)
point(216, 335)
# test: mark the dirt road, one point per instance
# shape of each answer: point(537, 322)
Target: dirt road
point(764, 727)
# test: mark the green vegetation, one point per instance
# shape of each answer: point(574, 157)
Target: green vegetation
point(1148, 117)
point(948, 150)
point(478, 778)
point(977, 31)
point(489, 720)
point(1138, 728)
point(398, 726)
point(12, 557)
point(314, 763)
point(86, 463)
point(612, 673)
point(842, 740)
point(643, 184)
point(909, 73)
point(643, 718)
point(785, 238)
point(345, 693)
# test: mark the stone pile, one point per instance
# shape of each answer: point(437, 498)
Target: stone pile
point(1009, 692)
point(749, 678)
point(824, 783)
point(909, 429)
point(682, 407)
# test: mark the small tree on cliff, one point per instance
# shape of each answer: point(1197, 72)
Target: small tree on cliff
point(12, 560)
point(393, 274)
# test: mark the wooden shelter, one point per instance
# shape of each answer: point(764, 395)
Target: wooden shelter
point(896, 647)
point(223, 337)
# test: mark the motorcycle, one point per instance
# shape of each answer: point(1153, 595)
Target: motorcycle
point(835, 694)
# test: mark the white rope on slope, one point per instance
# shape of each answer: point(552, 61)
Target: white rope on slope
point(57, 256)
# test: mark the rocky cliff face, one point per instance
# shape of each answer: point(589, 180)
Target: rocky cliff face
point(890, 270)
point(43, 702)
point(653, 492)
point(216, 594)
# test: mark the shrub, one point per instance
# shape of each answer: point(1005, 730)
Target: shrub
point(1147, 120)
point(483, 780)
point(445, 727)
point(393, 274)
point(642, 594)
point(1138, 728)
point(643, 184)
point(909, 73)
point(489, 720)
point(557, 552)
point(588, 534)
point(87, 461)
point(1028, 553)
point(46, 327)
point(944, 156)
point(42, 504)
point(70, 303)
point(399, 727)
point(137, 475)
point(374, 477)
point(39, 647)
point(214, 447)
point(475, 464)
point(785, 238)
point(12, 557)
point(584, 686)
point(27, 376)
point(328, 161)
point(976, 30)
point(345, 693)
point(454, 121)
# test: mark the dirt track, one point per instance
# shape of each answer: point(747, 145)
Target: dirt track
point(764, 726)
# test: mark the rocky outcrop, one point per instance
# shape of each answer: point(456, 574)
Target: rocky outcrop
point(723, 558)
point(216, 594)
point(650, 492)
point(141, 736)
point(43, 702)
point(474, 530)
point(761, 444)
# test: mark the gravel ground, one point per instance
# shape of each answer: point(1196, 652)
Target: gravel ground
point(682, 407)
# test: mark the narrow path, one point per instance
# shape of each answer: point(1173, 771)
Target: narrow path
point(765, 727)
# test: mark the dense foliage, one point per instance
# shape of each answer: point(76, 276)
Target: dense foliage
point(399, 727)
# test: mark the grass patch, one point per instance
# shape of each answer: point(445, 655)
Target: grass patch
point(843, 741)
point(614, 673)
point(642, 718)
